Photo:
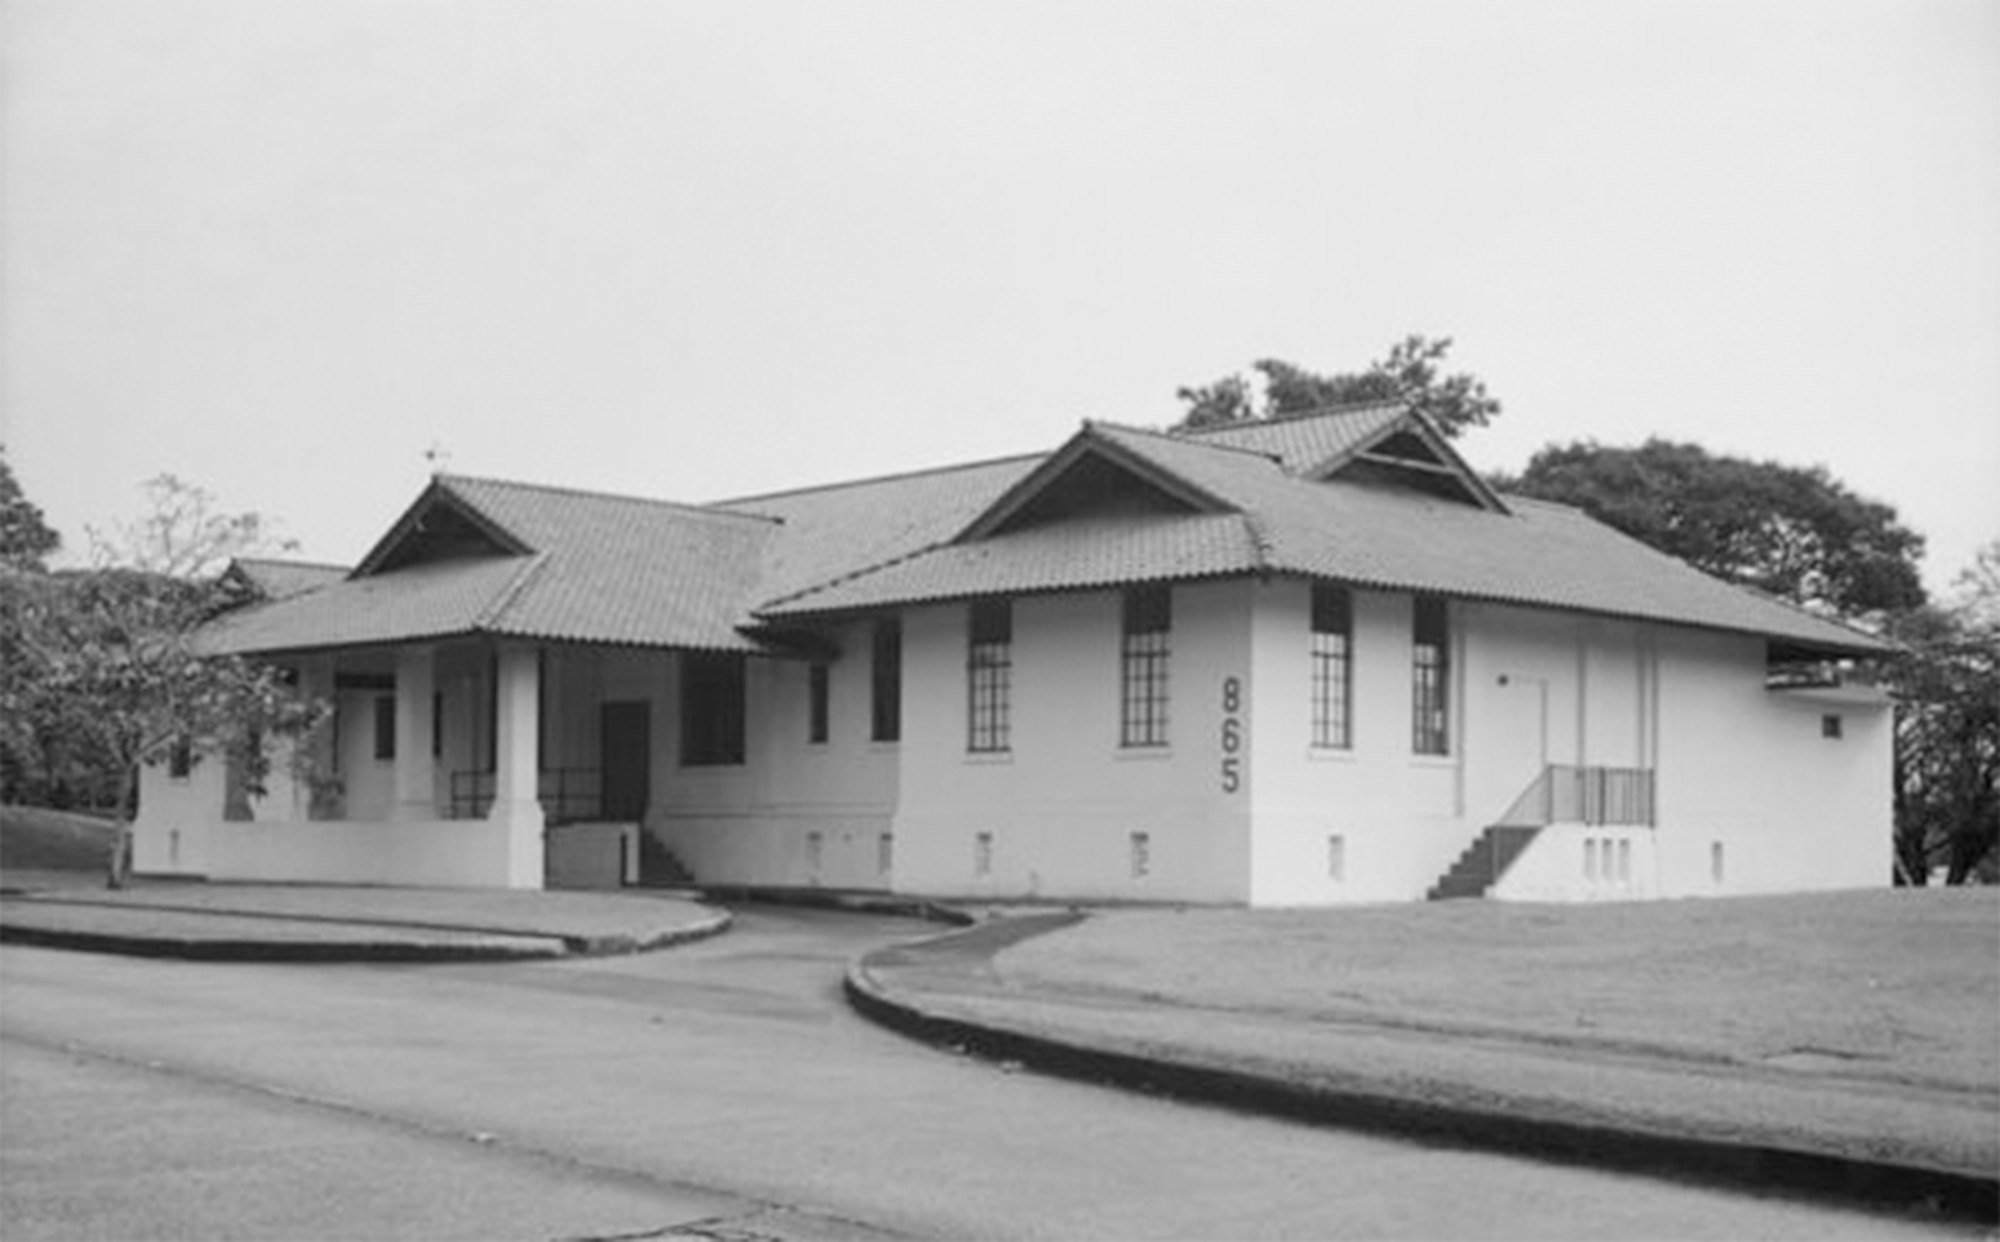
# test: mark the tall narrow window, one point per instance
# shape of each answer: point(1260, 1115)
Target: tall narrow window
point(1143, 656)
point(385, 726)
point(989, 666)
point(711, 708)
point(888, 680)
point(1430, 674)
point(817, 678)
point(180, 760)
point(437, 724)
point(1332, 666)
point(493, 710)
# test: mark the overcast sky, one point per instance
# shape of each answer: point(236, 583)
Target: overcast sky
point(696, 250)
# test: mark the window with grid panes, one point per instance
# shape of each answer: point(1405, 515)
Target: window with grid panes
point(1143, 666)
point(989, 663)
point(712, 708)
point(1430, 673)
point(1332, 666)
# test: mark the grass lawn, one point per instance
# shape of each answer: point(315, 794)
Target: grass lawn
point(34, 839)
point(1887, 984)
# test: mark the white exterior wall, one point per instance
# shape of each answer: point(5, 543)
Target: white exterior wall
point(1061, 806)
point(177, 818)
point(1750, 796)
point(794, 812)
point(1747, 768)
point(1527, 688)
point(1576, 862)
point(446, 853)
point(1396, 814)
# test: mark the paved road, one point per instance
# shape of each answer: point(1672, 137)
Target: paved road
point(718, 1090)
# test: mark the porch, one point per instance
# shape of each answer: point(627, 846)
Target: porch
point(468, 763)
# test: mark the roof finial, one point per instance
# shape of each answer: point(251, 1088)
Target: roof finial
point(437, 455)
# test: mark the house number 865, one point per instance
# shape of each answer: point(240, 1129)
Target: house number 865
point(1232, 735)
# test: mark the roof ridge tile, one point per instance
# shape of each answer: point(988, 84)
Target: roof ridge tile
point(1294, 416)
point(1176, 438)
point(505, 597)
point(873, 480)
point(583, 493)
point(289, 563)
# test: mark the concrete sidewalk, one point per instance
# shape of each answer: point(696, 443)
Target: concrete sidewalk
point(315, 922)
point(1824, 1132)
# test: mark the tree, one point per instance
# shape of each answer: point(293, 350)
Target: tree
point(1409, 374)
point(1947, 687)
point(1793, 532)
point(25, 539)
point(104, 674)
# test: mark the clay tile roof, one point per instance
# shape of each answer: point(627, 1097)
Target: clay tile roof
point(1086, 552)
point(831, 532)
point(1308, 443)
point(587, 567)
point(1536, 555)
point(621, 570)
point(420, 602)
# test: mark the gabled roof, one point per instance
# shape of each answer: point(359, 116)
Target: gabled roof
point(1337, 440)
point(1070, 479)
point(1521, 552)
point(593, 568)
point(484, 557)
point(440, 524)
point(622, 570)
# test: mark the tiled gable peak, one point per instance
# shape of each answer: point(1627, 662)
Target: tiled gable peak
point(1097, 473)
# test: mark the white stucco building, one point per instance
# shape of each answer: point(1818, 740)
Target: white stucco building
point(1308, 661)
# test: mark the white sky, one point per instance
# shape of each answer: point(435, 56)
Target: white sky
point(280, 247)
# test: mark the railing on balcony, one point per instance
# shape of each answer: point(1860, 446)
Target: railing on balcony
point(568, 795)
point(1567, 794)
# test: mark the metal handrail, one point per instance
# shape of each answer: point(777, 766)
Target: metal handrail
point(1597, 796)
point(567, 795)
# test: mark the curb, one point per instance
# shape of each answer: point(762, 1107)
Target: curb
point(283, 951)
point(1763, 1169)
point(839, 899)
point(715, 924)
point(505, 945)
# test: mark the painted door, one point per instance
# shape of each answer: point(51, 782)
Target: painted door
point(626, 730)
point(1512, 746)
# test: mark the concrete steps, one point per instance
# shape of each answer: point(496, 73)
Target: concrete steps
point(1483, 862)
point(659, 867)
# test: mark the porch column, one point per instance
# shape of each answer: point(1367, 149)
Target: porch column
point(416, 770)
point(516, 800)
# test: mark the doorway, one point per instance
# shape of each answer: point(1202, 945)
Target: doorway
point(626, 741)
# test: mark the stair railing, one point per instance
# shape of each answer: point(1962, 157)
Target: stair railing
point(1598, 796)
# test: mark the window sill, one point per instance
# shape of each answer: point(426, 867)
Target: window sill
point(1433, 761)
point(1140, 754)
point(1331, 754)
point(989, 756)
